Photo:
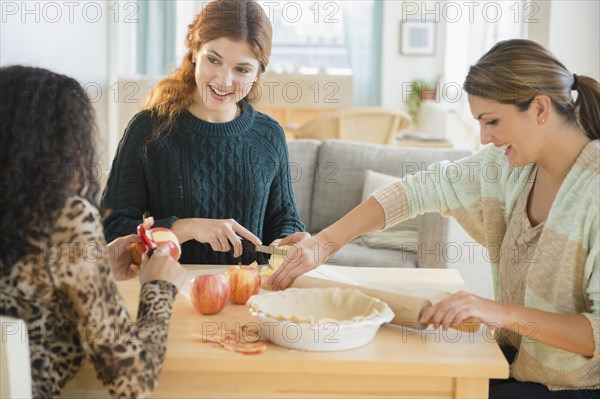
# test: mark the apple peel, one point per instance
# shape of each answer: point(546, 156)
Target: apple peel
point(233, 343)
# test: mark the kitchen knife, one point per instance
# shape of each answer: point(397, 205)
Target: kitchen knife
point(265, 249)
point(270, 250)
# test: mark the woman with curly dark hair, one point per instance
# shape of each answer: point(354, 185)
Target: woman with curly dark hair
point(200, 158)
point(56, 272)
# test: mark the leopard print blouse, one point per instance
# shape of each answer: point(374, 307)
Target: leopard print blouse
point(66, 295)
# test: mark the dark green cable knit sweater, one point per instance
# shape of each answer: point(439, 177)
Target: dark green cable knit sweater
point(238, 169)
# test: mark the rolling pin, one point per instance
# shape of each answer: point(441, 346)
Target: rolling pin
point(407, 309)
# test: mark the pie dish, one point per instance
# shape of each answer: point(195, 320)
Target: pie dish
point(319, 319)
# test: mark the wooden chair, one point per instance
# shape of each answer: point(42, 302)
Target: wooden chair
point(370, 124)
point(15, 373)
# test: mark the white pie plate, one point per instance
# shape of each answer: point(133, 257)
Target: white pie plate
point(319, 319)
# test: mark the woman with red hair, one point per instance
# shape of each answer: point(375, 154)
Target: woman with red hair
point(199, 157)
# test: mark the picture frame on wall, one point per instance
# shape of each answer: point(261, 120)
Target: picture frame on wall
point(417, 38)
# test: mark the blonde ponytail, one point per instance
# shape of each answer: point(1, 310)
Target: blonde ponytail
point(515, 71)
point(587, 105)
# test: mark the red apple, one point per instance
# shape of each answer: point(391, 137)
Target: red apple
point(137, 249)
point(162, 236)
point(154, 238)
point(209, 293)
point(244, 281)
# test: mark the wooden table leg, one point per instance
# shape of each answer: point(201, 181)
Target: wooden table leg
point(472, 388)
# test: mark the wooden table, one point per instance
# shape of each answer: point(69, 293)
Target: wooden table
point(399, 363)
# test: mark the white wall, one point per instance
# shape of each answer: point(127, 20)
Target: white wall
point(574, 35)
point(540, 30)
point(66, 37)
point(398, 69)
point(569, 28)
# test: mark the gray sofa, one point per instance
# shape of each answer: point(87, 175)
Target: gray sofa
point(328, 179)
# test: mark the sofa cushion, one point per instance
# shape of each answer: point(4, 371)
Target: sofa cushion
point(340, 173)
point(353, 254)
point(303, 158)
point(403, 236)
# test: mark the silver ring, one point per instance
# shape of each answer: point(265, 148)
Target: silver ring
point(163, 251)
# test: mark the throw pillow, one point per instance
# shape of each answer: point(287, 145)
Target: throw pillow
point(403, 236)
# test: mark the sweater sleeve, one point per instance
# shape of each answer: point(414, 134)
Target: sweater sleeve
point(127, 356)
point(592, 272)
point(282, 217)
point(451, 188)
point(126, 194)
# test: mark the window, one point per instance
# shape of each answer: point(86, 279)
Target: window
point(307, 35)
point(466, 41)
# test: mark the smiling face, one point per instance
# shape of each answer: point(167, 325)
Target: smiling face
point(225, 71)
point(516, 133)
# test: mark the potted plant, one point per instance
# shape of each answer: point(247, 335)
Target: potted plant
point(420, 92)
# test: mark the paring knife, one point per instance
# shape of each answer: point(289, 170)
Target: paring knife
point(262, 252)
point(270, 250)
point(265, 249)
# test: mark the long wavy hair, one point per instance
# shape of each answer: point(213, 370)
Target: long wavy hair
point(515, 71)
point(48, 153)
point(238, 20)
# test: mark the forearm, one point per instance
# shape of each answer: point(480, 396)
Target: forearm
point(570, 332)
point(129, 364)
point(282, 217)
point(183, 229)
point(135, 371)
point(366, 217)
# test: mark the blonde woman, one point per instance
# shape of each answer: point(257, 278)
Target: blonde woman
point(531, 196)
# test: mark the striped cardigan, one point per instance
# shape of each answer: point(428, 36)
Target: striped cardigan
point(480, 191)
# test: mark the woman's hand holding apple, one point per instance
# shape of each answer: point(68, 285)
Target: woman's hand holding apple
point(151, 238)
point(121, 258)
point(161, 266)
